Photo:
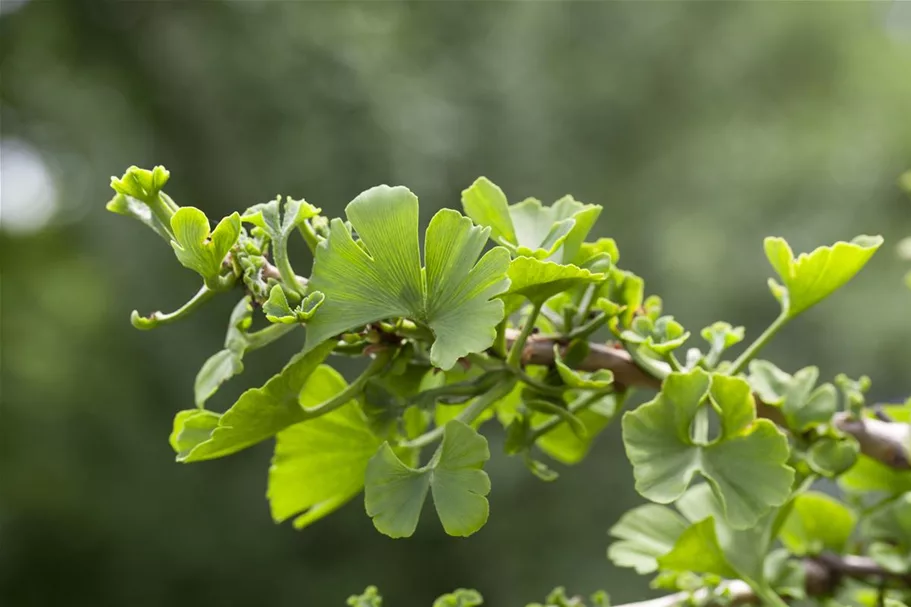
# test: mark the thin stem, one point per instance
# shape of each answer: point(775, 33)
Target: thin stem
point(354, 388)
point(528, 380)
point(673, 362)
point(310, 236)
point(585, 303)
point(280, 251)
point(588, 328)
point(161, 318)
point(768, 596)
point(748, 354)
point(266, 336)
point(467, 415)
point(556, 420)
point(515, 353)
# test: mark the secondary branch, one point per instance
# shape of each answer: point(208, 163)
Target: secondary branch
point(880, 440)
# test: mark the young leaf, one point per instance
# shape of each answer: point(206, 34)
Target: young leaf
point(226, 363)
point(462, 597)
point(528, 227)
point(745, 465)
point(278, 310)
point(191, 427)
point(260, 412)
point(138, 195)
point(565, 446)
point(199, 249)
point(802, 406)
point(646, 533)
point(697, 550)
point(662, 335)
point(831, 457)
point(319, 464)
point(890, 527)
point(814, 276)
point(870, 475)
point(386, 280)
point(597, 380)
point(370, 598)
point(538, 280)
point(817, 522)
point(395, 493)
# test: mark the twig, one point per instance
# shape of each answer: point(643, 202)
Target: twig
point(883, 441)
point(823, 574)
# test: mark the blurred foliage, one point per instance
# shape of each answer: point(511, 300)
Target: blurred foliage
point(701, 128)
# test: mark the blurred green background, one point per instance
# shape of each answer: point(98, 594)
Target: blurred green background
point(701, 127)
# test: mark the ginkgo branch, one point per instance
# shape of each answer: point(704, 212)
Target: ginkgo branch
point(822, 574)
point(880, 440)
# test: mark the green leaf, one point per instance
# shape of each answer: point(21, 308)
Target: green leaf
point(191, 427)
point(278, 222)
point(278, 310)
point(226, 363)
point(319, 464)
point(830, 457)
point(817, 522)
point(260, 412)
point(697, 550)
point(721, 336)
point(564, 445)
point(812, 277)
point(462, 597)
point(530, 228)
point(870, 475)
point(138, 195)
point(803, 407)
point(452, 295)
point(485, 203)
point(199, 249)
point(745, 464)
point(662, 335)
point(890, 523)
point(395, 492)
point(647, 532)
point(538, 280)
point(598, 380)
point(370, 598)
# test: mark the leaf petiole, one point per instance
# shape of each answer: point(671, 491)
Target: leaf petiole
point(353, 389)
point(556, 420)
point(155, 319)
point(264, 337)
point(514, 359)
point(747, 355)
point(467, 415)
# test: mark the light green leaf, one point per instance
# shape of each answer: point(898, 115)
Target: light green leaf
point(452, 295)
point(812, 277)
point(565, 445)
point(581, 380)
point(745, 464)
point(831, 456)
point(138, 195)
point(370, 598)
point(462, 597)
point(721, 336)
point(538, 280)
point(802, 406)
point(395, 492)
point(662, 335)
point(647, 532)
point(817, 522)
point(278, 310)
point(743, 550)
point(199, 249)
point(260, 412)
point(279, 222)
point(890, 523)
point(870, 475)
point(226, 363)
point(530, 228)
point(319, 464)
point(191, 427)
point(485, 203)
point(697, 550)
